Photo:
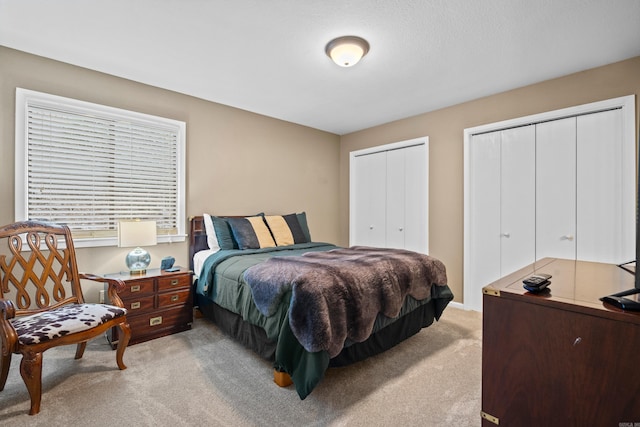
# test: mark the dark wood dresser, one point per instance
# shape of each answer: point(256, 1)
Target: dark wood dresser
point(561, 357)
point(158, 303)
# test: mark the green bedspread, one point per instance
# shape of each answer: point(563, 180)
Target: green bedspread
point(221, 280)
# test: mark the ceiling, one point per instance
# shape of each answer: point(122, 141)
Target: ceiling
point(268, 56)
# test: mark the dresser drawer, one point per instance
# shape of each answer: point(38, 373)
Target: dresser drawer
point(139, 287)
point(139, 304)
point(173, 298)
point(174, 282)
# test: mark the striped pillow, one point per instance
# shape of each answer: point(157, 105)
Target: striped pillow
point(286, 229)
point(251, 232)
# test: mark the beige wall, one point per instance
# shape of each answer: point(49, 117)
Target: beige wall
point(237, 162)
point(445, 131)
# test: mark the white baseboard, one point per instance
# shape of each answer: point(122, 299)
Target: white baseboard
point(456, 305)
point(460, 306)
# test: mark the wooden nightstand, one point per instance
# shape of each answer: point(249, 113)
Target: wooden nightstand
point(158, 303)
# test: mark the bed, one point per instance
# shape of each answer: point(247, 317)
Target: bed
point(266, 295)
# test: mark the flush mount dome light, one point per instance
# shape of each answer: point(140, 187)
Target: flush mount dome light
point(346, 51)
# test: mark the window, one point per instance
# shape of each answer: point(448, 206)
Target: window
point(89, 166)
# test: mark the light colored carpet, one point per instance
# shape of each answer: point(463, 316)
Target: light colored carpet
point(202, 377)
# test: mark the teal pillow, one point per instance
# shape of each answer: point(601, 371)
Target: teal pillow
point(302, 220)
point(223, 233)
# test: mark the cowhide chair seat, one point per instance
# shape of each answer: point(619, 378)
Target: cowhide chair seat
point(68, 319)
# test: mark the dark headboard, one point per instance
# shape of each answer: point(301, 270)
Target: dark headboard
point(197, 237)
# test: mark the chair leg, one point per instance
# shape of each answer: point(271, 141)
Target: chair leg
point(31, 371)
point(122, 344)
point(5, 362)
point(80, 349)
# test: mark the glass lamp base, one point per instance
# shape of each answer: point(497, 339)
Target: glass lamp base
point(138, 260)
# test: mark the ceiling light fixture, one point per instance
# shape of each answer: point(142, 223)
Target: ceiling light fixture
point(346, 51)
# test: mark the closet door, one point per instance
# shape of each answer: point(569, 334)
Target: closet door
point(600, 198)
point(389, 196)
point(584, 186)
point(370, 199)
point(484, 199)
point(517, 198)
point(556, 189)
point(396, 194)
point(416, 186)
point(407, 198)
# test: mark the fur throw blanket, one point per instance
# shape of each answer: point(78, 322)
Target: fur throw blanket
point(338, 294)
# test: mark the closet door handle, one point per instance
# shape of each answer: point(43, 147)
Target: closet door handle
point(507, 235)
point(568, 237)
point(371, 227)
point(399, 228)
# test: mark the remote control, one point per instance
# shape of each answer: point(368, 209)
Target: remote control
point(537, 280)
point(537, 289)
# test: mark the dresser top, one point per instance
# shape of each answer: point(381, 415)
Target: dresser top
point(575, 285)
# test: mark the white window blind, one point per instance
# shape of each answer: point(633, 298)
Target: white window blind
point(89, 166)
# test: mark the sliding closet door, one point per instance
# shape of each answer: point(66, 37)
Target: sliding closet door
point(517, 198)
point(556, 189)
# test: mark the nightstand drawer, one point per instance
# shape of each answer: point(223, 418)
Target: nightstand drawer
point(173, 298)
point(140, 324)
point(136, 288)
point(160, 322)
point(139, 305)
point(174, 282)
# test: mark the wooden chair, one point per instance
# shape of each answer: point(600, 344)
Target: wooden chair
point(46, 308)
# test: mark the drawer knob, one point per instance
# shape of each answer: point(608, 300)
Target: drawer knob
point(135, 305)
point(174, 282)
point(154, 321)
point(174, 298)
point(135, 288)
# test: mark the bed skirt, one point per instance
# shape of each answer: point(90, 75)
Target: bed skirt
point(254, 337)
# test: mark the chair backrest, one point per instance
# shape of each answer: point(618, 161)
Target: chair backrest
point(38, 269)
